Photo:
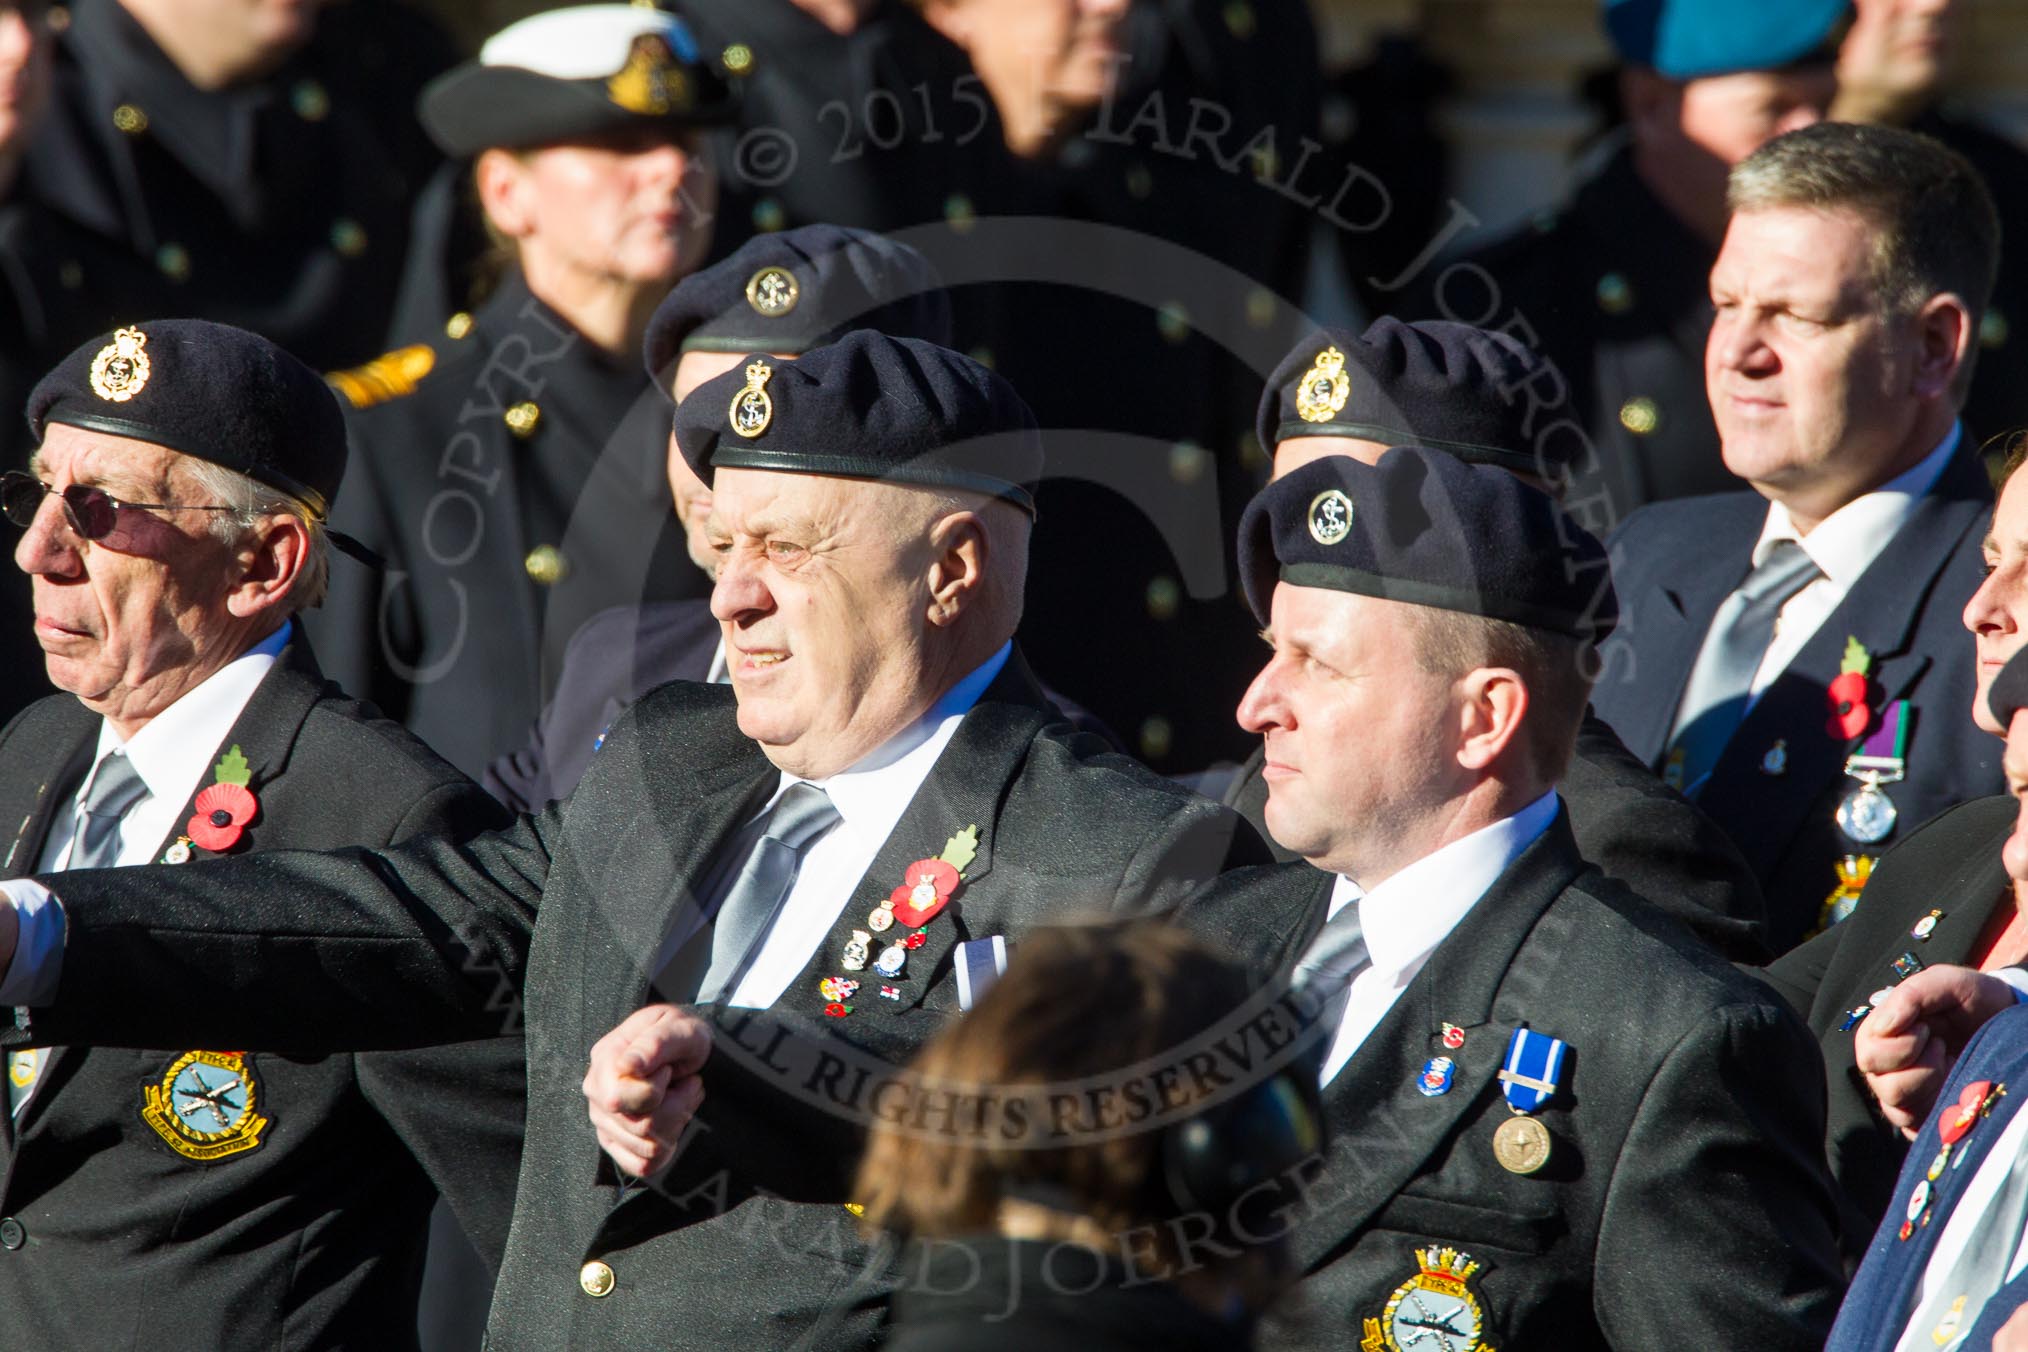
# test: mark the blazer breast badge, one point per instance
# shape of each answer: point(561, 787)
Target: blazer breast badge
point(1436, 1308)
point(204, 1106)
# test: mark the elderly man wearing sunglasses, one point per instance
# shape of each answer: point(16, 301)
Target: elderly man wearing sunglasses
point(172, 527)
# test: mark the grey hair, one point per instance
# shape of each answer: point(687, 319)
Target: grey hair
point(1936, 229)
point(253, 502)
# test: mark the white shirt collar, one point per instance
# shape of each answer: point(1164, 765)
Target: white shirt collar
point(183, 736)
point(1846, 542)
point(1407, 917)
point(881, 783)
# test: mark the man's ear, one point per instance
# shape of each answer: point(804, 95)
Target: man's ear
point(1492, 708)
point(958, 558)
point(504, 192)
point(1944, 334)
point(271, 565)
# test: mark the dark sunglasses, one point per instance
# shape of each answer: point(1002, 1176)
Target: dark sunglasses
point(92, 511)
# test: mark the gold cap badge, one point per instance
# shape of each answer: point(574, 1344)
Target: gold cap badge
point(120, 370)
point(1330, 517)
point(651, 83)
point(1324, 388)
point(773, 291)
point(752, 409)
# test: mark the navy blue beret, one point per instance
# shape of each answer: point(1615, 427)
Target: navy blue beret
point(1431, 383)
point(1426, 528)
point(210, 391)
point(2009, 692)
point(789, 292)
point(1689, 39)
point(868, 406)
point(575, 72)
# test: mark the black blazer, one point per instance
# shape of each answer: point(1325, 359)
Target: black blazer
point(1685, 1201)
point(313, 952)
point(1950, 865)
point(1635, 828)
point(1674, 563)
point(459, 639)
point(314, 1236)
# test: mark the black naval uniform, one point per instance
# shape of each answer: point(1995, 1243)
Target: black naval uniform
point(280, 206)
point(1615, 290)
point(1063, 826)
point(312, 1236)
point(514, 478)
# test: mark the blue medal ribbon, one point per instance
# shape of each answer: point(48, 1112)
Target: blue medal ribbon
point(1534, 1063)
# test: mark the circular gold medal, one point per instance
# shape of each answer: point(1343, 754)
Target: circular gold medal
point(1521, 1145)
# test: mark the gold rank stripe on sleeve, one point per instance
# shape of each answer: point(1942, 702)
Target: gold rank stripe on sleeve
point(386, 377)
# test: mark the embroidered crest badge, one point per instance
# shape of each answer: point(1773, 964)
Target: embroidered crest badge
point(773, 292)
point(204, 1106)
point(651, 84)
point(752, 410)
point(120, 370)
point(1324, 388)
point(1436, 1308)
point(1330, 517)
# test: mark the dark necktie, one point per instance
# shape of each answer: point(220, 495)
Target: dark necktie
point(763, 884)
point(116, 787)
point(1721, 686)
point(1334, 959)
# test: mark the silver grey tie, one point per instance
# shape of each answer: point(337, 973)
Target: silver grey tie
point(749, 910)
point(1330, 964)
point(1721, 686)
point(116, 787)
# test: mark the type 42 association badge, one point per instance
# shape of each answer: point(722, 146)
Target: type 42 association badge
point(1433, 1311)
point(204, 1105)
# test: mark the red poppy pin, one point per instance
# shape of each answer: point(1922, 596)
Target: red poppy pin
point(928, 884)
point(1848, 694)
point(225, 807)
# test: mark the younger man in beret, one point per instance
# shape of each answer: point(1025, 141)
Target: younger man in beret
point(1558, 1120)
point(1480, 396)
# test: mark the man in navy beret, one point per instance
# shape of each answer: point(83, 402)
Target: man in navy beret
point(1610, 286)
point(749, 890)
point(1466, 391)
point(782, 294)
point(174, 528)
point(1559, 1119)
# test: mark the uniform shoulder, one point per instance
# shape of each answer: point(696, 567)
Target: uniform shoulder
point(1661, 524)
point(57, 715)
point(391, 375)
point(366, 747)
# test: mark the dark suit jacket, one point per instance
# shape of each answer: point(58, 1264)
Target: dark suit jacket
point(314, 1237)
point(459, 640)
point(1635, 828)
point(1884, 1289)
point(1674, 563)
point(314, 952)
point(1685, 1201)
point(1951, 865)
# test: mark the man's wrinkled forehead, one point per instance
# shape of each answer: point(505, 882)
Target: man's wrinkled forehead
point(101, 460)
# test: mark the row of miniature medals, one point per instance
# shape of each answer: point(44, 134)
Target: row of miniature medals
point(1974, 1105)
point(1528, 1080)
point(926, 888)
